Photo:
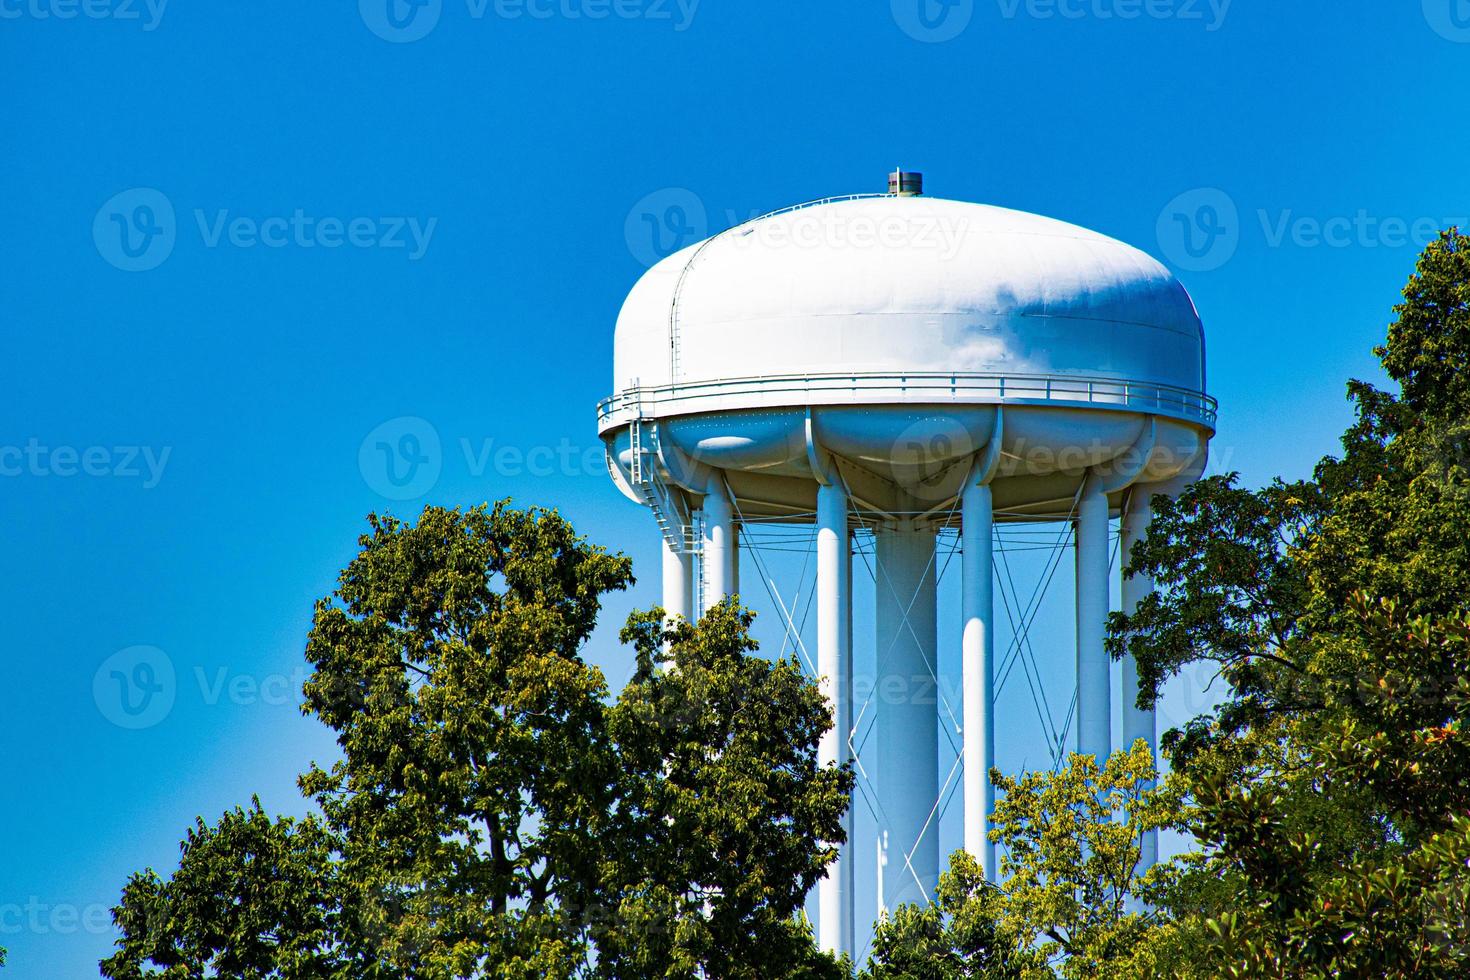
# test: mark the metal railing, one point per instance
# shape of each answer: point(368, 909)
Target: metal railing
point(867, 388)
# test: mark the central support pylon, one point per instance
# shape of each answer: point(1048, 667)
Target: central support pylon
point(834, 672)
point(907, 717)
point(977, 665)
point(1094, 707)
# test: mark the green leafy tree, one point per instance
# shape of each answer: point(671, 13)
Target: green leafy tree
point(475, 774)
point(722, 796)
point(253, 897)
point(1331, 786)
point(959, 936)
point(492, 813)
point(1071, 899)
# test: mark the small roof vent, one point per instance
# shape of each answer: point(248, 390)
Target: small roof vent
point(904, 183)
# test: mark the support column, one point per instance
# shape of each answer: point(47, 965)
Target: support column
point(834, 667)
point(849, 819)
point(678, 583)
point(734, 580)
point(1094, 720)
point(719, 527)
point(977, 657)
point(907, 716)
point(1137, 515)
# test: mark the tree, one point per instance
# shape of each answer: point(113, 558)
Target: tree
point(722, 796)
point(1070, 898)
point(253, 897)
point(1331, 787)
point(492, 813)
point(957, 937)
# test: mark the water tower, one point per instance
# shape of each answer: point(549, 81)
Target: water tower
point(893, 367)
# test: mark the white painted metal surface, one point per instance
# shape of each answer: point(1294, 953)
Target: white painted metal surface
point(902, 366)
point(1094, 707)
point(834, 670)
point(678, 583)
point(907, 729)
point(719, 544)
point(904, 284)
point(977, 664)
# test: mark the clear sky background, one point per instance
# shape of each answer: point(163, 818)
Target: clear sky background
point(184, 406)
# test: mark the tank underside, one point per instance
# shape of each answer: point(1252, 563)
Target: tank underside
point(909, 460)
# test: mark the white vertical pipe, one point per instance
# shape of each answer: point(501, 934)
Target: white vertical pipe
point(977, 658)
point(678, 583)
point(849, 819)
point(908, 714)
point(1094, 710)
point(834, 659)
point(734, 579)
point(1137, 723)
point(719, 525)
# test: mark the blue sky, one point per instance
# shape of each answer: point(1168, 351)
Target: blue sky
point(336, 219)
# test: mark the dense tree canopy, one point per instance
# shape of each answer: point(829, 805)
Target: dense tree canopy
point(493, 814)
point(1072, 900)
point(1332, 786)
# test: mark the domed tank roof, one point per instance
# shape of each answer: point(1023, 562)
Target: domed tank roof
point(896, 285)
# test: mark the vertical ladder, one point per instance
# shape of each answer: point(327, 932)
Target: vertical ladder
point(678, 527)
